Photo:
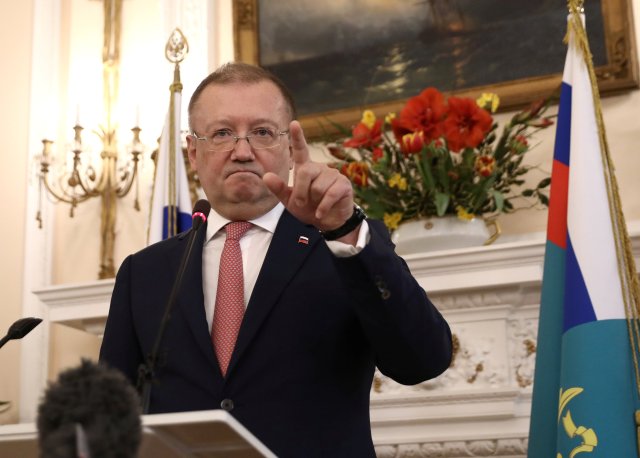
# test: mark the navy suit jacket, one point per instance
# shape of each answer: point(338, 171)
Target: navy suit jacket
point(315, 328)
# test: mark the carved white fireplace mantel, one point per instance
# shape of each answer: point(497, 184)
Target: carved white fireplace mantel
point(481, 405)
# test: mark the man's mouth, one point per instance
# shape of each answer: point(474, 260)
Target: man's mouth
point(240, 172)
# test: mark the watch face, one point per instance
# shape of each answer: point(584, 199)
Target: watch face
point(357, 208)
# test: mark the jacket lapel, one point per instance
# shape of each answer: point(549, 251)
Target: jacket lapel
point(287, 252)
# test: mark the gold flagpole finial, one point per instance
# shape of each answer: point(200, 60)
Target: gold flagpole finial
point(177, 47)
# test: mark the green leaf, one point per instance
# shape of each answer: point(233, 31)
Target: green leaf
point(422, 163)
point(441, 173)
point(544, 183)
point(543, 199)
point(498, 197)
point(442, 202)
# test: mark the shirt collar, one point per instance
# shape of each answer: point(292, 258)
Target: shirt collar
point(268, 221)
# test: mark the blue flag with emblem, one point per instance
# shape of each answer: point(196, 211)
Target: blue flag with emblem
point(585, 392)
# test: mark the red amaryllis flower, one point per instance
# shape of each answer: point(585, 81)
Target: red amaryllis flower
point(466, 124)
point(485, 165)
point(412, 143)
point(377, 153)
point(363, 136)
point(423, 113)
point(357, 172)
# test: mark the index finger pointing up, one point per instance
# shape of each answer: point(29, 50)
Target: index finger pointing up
point(299, 149)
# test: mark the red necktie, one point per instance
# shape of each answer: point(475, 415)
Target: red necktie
point(229, 310)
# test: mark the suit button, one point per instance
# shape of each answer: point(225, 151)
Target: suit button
point(227, 404)
point(382, 288)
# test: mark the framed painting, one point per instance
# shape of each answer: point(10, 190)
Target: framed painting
point(339, 57)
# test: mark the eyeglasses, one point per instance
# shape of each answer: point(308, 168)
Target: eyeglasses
point(222, 141)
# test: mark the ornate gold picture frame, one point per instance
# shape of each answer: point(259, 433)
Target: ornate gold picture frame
point(467, 47)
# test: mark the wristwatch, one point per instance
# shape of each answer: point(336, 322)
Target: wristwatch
point(354, 221)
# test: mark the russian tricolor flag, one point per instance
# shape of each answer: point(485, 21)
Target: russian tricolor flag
point(171, 201)
point(585, 391)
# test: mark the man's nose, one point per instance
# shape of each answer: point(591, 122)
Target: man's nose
point(243, 149)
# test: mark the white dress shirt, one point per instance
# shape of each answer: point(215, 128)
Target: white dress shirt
point(256, 241)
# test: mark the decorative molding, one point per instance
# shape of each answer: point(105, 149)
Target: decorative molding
point(478, 297)
point(469, 395)
point(512, 448)
point(522, 342)
point(81, 306)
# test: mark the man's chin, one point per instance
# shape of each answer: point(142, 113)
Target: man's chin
point(254, 194)
point(243, 204)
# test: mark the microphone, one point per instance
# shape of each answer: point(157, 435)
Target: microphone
point(146, 370)
point(90, 410)
point(19, 329)
point(200, 211)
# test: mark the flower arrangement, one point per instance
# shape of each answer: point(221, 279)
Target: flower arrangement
point(440, 157)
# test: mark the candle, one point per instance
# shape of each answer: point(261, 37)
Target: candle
point(137, 116)
point(77, 114)
point(46, 150)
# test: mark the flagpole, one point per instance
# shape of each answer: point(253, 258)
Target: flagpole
point(176, 87)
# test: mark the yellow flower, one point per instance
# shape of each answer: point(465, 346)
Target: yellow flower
point(368, 119)
point(391, 220)
point(390, 117)
point(489, 100)
point(463, 214)
point(397, 180)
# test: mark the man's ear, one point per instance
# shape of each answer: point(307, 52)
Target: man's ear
point(191, 151)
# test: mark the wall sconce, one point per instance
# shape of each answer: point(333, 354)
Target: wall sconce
point(81, 181)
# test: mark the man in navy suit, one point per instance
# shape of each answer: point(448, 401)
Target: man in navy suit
point(326, 298)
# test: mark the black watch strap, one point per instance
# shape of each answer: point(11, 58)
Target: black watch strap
point(354, 221)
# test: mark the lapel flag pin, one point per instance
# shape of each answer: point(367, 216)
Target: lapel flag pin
point(304, 240)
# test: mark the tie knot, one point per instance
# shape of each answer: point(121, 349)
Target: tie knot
point(237, 229)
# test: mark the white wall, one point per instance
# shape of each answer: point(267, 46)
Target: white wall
point(15, 33)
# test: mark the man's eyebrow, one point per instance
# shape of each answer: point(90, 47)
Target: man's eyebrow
point(228, 124)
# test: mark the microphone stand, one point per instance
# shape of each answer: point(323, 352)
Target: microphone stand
point(146, 369)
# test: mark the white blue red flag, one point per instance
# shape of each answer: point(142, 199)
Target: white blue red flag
point(171, 201)
point(585, 392)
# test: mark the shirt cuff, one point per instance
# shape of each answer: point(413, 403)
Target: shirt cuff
point(344, 250)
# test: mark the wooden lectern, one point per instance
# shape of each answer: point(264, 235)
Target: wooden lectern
point(202, 434)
